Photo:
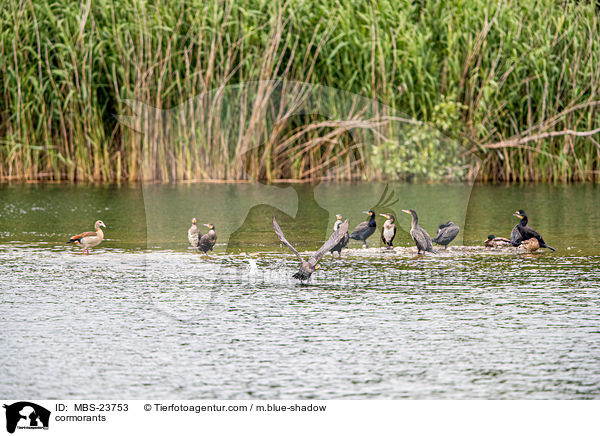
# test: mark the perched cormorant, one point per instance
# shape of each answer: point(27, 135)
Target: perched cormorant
point(522, 232)
point(389, 230)
point(344, 241)
point(446, 234)
point(207, 242)
point(194, 234)
point(531, 245)
point(365, 229)
point(418, 233)
point(308, 267)
point(493, 241)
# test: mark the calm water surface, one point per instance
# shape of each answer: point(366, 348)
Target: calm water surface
point(143, 316)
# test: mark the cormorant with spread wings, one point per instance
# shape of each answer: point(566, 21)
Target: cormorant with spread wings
point(308, 267)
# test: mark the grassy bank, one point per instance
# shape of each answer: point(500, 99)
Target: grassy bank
point(515, 84)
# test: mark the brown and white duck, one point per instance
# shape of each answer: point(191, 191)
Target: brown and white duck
point(531, 245)
point(497, 241)
point(89, 239)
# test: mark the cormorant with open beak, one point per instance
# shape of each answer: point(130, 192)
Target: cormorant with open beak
point(521, 232)
point(365, 229)
point(418, 233)
point(389, 230)
point(207, 242)
point(308, 267)
point(344, 241)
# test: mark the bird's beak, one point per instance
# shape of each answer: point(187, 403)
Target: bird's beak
point(383, 215)
point(518, 215)
point(103, 225)
point(366, 211)
point(317, 266)
point(207, 225)
point(194, 221)
point(406, 211)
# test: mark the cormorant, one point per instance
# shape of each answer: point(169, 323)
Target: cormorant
point(531, 245)
point(522, 232)
point(418, 233)
point(89, 239)
point(308, 267)
point(344, 241)
point(194, 234)
point(389, 230)
point(207, 242)
point(446, 234)
point(493, 241)
point(365, 229)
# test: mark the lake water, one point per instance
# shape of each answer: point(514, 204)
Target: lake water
point(143, 316)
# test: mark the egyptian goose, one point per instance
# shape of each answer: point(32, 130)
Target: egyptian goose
point(89, 239)
point(194, 234)
point(207, 242)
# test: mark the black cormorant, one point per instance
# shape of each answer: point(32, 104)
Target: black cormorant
point(194, 234)
point(308, 267)
point(207, 242)
point(493, 241)
point(418, 233)
point(344, 241)
point(389, 230)
point(365, 229)
point(446, 233)
point(522, 232)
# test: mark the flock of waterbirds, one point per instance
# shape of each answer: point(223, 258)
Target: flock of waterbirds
point(521, 236)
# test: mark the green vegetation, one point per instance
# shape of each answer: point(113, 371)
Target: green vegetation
point(516, 83)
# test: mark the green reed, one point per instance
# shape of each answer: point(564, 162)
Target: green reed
point(503, 80)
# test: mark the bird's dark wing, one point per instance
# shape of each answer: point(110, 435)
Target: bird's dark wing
point(447, 233)
point(443, 226)
point(333, 240)
point(359, 229)
point(285, 241)
point(515, 236)
point(528, 233)
point(421, 238)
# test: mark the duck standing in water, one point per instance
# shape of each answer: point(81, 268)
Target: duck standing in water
point(194, 234)
point(308, 267)
point(365, 229)
point(89, 239)
point(446, 233)
point(389, 230)
point(496, 242)
point(344, 241)
point(207, 241)
point(418, 233)
point(521, 232)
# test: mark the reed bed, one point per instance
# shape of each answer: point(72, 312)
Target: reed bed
point(222, 90)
